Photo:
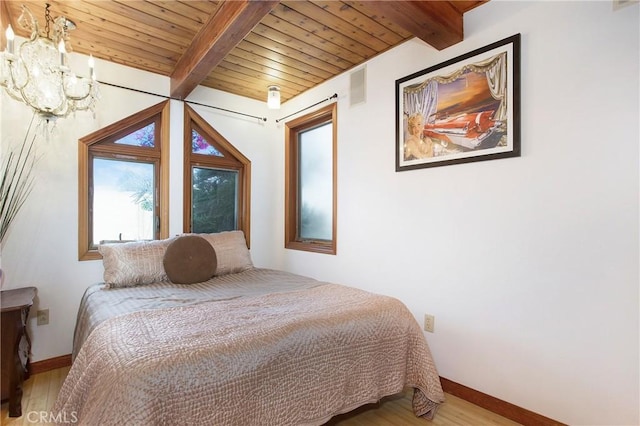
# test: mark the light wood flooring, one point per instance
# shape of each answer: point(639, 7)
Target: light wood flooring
point(40, 392)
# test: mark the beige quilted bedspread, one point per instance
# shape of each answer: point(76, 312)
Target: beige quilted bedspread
point(289, 358)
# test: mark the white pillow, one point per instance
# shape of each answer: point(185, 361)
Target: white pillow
point(231, 251)
point(135, 263)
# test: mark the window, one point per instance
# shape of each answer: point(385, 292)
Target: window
point(310, 181)
point(217, 179)
point(123, 181)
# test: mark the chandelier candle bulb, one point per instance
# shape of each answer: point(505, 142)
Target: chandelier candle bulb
point(62, 51)
point(10, 36)
point(91, 65)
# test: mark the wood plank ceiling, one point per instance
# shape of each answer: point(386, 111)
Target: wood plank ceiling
point(242, 47)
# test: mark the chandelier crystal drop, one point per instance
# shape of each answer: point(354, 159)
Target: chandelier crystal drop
point(36, 72)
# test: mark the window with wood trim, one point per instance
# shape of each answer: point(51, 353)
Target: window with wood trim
point(124, 181)
point(217, 180)
point(310, 181)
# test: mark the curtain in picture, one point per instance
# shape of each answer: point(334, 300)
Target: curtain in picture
point(497, 80)
point(420, 99)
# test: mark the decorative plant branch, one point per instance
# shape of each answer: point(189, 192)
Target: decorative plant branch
point(17, 180)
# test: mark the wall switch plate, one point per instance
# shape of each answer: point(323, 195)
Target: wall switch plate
point(429, 323)
point(43, 317)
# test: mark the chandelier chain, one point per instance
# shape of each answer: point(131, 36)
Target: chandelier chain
point(47, 19)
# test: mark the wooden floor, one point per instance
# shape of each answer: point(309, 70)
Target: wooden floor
point(40, 392)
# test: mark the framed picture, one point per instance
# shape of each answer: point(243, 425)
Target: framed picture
point(462, 110)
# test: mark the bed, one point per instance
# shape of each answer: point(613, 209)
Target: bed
point(248, 346)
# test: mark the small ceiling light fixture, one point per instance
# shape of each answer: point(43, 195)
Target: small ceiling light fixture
point(37, 73)
point(273, 97)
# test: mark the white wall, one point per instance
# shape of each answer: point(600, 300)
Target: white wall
point(530, 265)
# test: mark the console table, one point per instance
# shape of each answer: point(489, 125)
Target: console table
point(16, 344)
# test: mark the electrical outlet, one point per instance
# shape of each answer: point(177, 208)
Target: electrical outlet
point(429, 323)
point(43, 317)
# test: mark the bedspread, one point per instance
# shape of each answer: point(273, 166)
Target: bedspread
point(99, 304)
point(287, 358)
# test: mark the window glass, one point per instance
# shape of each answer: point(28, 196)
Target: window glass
point(123, 201)
point(141, 137)
point(199, 145)
point(316, 185)
point(214, 198)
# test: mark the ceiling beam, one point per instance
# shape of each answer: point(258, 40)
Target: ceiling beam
point(4, 23)
point(218, 36)
point(438, 23)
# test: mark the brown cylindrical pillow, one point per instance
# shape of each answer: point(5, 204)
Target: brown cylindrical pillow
point(190, 259)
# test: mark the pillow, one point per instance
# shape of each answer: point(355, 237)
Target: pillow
point(231, 251)
point(189, 259)
point(132, 264)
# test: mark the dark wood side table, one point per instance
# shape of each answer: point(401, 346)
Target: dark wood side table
point(16, 344)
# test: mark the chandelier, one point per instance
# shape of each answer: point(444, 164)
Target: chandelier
point(37, 73)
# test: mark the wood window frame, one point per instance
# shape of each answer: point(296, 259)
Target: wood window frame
point(292, 130)
point(233, 160)
point(102, 142)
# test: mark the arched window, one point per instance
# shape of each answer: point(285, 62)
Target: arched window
point(217, 180)
point(123, 181)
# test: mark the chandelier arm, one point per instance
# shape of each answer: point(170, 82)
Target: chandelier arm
point(13, 95)
point(77, 98)
point(45, 112)
point(12, 75)
point(60, 110)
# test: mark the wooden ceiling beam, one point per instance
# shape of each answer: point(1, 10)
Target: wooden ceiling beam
point(5, 20)
point(437, 23)
point(218, 36)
